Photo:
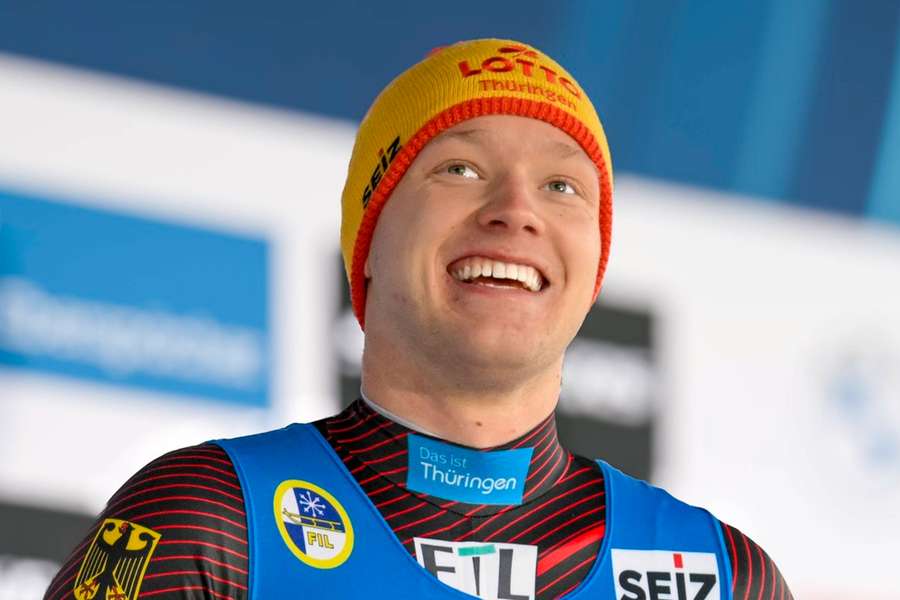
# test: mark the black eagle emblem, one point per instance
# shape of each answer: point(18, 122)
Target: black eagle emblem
point(115, 563)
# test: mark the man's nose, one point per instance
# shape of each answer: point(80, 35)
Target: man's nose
point(511, 205)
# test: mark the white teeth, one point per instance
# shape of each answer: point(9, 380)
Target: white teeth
point(474, 267)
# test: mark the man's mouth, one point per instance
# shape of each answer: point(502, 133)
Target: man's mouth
point(486, 271)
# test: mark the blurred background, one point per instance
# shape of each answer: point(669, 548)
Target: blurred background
point(170, 179)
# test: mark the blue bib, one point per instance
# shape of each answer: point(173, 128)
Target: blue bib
point(313, 530)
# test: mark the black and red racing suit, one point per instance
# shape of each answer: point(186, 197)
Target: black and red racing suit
point(192, 497)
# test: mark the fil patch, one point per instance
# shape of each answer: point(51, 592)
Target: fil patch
point(665, 575)
point(313, 524)
point(115, 562)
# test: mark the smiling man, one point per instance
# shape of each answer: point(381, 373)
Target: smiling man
point(480, 272)
point(476, 231)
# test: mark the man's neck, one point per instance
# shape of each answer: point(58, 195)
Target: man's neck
point(414, 427)
point(478, 416)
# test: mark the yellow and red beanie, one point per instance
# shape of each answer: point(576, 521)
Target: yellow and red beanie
point(455, 83)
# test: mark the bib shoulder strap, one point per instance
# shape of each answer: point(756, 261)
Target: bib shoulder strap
point(642, 516)
point(261, 461)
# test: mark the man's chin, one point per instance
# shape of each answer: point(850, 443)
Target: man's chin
point(497, 349)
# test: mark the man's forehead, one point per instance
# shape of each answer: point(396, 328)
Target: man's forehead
point(481, 135)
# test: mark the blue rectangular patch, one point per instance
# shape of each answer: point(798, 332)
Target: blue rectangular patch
point(133, 301)
point(463, 475)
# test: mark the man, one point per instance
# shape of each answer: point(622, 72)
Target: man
point(477, 221)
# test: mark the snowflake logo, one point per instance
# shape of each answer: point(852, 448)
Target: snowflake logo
point(312, 504)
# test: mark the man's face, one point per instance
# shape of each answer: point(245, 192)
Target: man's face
point(487, 250)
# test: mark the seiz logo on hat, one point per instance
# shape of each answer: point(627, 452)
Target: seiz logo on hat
point(522, 59)
point(385, 158)
point(665, 575)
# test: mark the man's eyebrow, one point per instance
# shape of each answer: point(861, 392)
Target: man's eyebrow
point(467, 135)
point(475, 136)
point(564, 150)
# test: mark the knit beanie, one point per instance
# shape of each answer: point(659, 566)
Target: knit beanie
point(451, 85)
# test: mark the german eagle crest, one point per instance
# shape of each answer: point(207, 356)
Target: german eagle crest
point(115, 563)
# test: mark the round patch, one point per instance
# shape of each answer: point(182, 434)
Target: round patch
point(313, 524)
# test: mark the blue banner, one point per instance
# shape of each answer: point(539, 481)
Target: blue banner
point(133, 301)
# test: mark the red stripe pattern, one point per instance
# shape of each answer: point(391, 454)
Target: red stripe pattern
point(754, 574)
point(563, 512)
point(193, 499)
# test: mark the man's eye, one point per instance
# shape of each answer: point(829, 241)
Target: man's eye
point(462, 170)
point(561, 186)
